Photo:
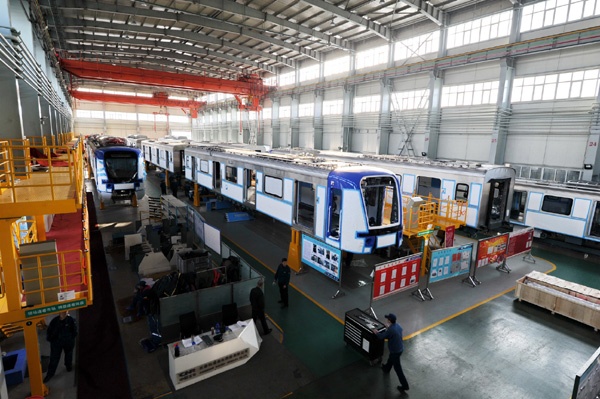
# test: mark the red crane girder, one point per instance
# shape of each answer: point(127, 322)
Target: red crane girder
point(158, 100)
point(247, 85)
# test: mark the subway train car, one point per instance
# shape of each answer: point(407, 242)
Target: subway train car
point(166, 154)
point(487, 189)
point(118, 170)
point(350, 206)
point(568, 211)
point(135, 140)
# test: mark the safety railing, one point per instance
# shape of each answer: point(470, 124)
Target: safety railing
point(24, 231)
point(67, 271)
point(433, 213)
point(62, 167)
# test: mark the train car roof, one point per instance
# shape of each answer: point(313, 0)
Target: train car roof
point(588, 187)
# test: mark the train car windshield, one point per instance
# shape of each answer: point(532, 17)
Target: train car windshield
point(380, 196)
point(121, 166)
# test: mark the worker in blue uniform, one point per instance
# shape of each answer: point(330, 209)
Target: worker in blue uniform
point(61, 334)
point(393, 333)
point(282, 277)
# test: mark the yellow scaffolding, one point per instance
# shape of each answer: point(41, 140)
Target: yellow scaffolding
point(27, 191)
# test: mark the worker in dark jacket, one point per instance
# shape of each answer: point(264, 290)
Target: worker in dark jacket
point(394, 336)
point(282, 277)
point(257, 300)
point(61, 334)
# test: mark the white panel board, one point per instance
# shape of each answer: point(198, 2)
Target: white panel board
point(535, 201)
point(448, 189)
point(581, 208)
point(288, 190)
point(475, 196)
point(545, 221)
point(408, 184)
point(204, 180)
point(320, 213)
point(275, 208)
point(212, 238)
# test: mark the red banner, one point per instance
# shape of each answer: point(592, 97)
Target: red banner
point(519, 242)
point(449, 239)
point(395, 276)
point(492, 250)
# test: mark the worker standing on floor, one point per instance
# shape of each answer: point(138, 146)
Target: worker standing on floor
point(393, 333)
point(282, 277)
point(61, 334)
point(257, 300)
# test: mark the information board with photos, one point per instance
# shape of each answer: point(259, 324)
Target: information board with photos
point(396, 275)
point(492, 250)
point(322, 257)
point(450, 262)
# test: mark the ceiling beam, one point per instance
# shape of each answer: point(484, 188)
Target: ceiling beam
point(424, 7)
point(159, 99)
point(192, 19)
point(355, 19)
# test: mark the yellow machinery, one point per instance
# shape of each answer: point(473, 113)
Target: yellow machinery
point(25, 197)
point(424, 216)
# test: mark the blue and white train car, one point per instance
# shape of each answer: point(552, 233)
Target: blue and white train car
point(486, 189)
point(555, 210)
point(166, 154)
point(349, 206)
point(118, 170)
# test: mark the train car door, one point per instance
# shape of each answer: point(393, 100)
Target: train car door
point(595, 222)
point(335, 206)
point(497, 202)
point(250, 185)
point(190, 167)
point(517, 208)
point(305, 208)
point(217, 175)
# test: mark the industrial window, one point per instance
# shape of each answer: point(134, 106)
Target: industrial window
point(287, 79)
point(555, 12)
point(305, 110)
point(179, 119)
point(415, 99)
point(418, 45)
point(556, 86)
point(338, 65)
point(333, 107)
point(267, 113)
point(272, 81)
point(285, 112)
point(367, 104)
point(80, 113)
point(471, 94)
point(274, 186)
point(121, 116)
point(160, 117)
point(558, 205)
point(479, 30)
point(252, 115)
point(204, 166)
point(231, 174)
point(309, 73)
point(371, 57)
point(462, 192)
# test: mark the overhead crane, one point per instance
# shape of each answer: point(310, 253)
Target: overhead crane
point(43, 281)
point(249, 87)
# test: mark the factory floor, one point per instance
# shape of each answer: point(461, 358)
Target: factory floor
point(467, 342)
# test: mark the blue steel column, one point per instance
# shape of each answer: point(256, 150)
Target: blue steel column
point(318, 115)
point(436, 83)
point(504, 111)
point(385, 117)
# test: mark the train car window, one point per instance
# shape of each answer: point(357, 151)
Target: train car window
point(558, 205)
point(274, 186)
point(231, 174)
point(462, 192)
point(306, 204)
point(517, 209)
point(380, 195)
point(428, 185)
point(121, 166)
point(595, 226)
point(204, 166)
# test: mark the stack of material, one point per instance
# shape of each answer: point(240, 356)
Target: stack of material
point(569, 299)
point(192, 261)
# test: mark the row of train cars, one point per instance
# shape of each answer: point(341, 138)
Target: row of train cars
point(320, 191)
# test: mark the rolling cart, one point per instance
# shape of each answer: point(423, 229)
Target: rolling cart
point(358, 333)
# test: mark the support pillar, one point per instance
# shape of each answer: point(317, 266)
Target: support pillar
point(591, 159)
point(385, 118)
point(347, 120)
point(196, 195)
point(318, 121)
point(503, 112)
point(434, 120)
point(275, 123)
point(34, 364)
point(10, 111)
point(12, 277)
point(295, 122)
point(40, 225)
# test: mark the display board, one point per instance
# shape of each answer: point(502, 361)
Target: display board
point(450, 262)
point(520, 242)
point(587, 381)
point(396, 275)
point(212, 238)
point(492, 250)
point(322, 257)
point(449, 237)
